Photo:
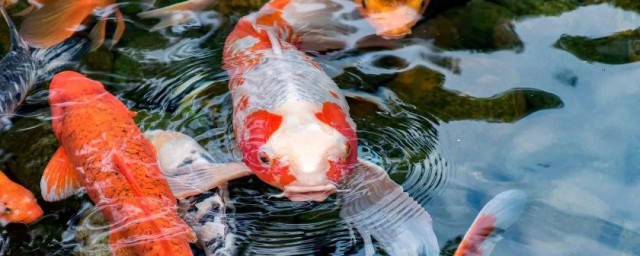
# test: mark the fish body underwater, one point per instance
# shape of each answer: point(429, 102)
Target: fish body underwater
point(209, 211)
point(17, 204)
point(103, 152)
point(18, 73)
point(392, 18)
point(50, 22)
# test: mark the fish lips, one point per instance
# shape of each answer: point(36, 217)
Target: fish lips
point(309, 193)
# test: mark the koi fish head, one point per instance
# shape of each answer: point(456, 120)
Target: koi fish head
point(304, 151)
point(71, 86)
point(70, 89)
point(392, 18)
point(17, 204)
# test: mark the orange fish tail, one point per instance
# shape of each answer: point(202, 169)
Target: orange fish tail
point(55, 22)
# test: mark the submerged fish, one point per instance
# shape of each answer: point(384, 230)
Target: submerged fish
point(49, 22)
point(103, 151)
point(179, 156)
point(22, 68)
point(392, 18)
point(17, 204)
point(17, 73)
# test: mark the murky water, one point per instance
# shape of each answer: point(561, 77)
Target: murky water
point(483, 97)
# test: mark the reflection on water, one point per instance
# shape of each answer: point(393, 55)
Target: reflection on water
point(483, 97)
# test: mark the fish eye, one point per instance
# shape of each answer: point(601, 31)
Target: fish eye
point(265, 160)
point(364, 4)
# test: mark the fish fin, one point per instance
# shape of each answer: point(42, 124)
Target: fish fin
point(383, 98)
point(120, 26)
point(26, 11)
point(97, 34)
point(55, 22)
point(190, 5)
point(494, 218)
point(378, 206)
point(198, 178)
point(175, 14)
point(132, 114)
point(59, 179)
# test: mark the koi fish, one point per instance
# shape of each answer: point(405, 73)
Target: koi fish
point(18, 73)
point(179, 156)
point(49, 22)
point(22, 68)
point(17, 204)
point(392, 18)
point(103, 151)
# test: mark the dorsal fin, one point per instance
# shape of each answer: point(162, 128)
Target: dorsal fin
point(16, 40)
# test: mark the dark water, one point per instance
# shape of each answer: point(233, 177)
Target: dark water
point(483, 97)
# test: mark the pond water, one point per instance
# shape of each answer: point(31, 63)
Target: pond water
point(482, 97)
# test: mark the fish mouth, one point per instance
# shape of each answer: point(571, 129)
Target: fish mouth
point(309, 193)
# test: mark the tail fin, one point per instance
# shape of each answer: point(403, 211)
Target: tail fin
point(379, 208)
point(494, 218)
point(52, 60)
point(16, 40)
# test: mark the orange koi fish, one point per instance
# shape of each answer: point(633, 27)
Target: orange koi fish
point(50, 22)
point(17, 204)
point(392, 18)
point(103, 151)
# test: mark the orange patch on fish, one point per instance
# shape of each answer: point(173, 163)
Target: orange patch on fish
point(333, 115)
point(334, 94)
point(260, 125)
point(244, 102)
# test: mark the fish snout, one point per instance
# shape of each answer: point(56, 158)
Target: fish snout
point(319, 193)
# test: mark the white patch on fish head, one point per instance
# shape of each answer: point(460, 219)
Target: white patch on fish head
point(306, 146)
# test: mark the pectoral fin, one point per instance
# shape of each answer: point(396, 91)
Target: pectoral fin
point(59, 180)
point(97, 34)
point(378, 206)
point(195, 179)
